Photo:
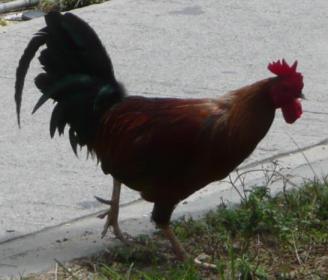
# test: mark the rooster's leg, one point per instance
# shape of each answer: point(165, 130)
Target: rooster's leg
point(180, 251)
point(176, 245)
point(161, 215)
point(112, 213)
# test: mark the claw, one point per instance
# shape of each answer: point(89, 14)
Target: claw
point(103, 215)
point(104, 201)
point(105, 230)
point(112, 213)
point(108, 222)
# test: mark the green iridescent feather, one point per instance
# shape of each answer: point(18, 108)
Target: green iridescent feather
point(78, 75)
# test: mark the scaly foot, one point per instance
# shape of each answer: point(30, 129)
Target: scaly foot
point(112, 219)
point(112, 212)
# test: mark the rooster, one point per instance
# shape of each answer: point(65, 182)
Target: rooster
point(164, 148)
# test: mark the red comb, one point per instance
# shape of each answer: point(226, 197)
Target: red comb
point(282, 68)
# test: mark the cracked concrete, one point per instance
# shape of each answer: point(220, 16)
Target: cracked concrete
point(166, 48)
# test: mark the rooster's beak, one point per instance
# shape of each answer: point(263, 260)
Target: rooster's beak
point(303, 96)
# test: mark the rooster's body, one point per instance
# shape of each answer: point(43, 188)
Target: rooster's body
point(165, 148)
point(169, 148)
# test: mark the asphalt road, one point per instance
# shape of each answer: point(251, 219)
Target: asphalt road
point(175, 48)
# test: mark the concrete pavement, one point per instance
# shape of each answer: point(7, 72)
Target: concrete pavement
point(165, 48)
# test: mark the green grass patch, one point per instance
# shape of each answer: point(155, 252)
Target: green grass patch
point(65, 5)
point(282, 237)
point(3, 22)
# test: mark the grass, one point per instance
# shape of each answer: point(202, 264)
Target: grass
point(3, 22)
point(282, 237)
point(65, 5)
point(61, 5)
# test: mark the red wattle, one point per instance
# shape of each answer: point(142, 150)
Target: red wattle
point(292, 111)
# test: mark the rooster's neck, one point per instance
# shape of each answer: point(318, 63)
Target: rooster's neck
point(251, 116)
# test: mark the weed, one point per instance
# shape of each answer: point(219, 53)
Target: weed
point(281, 237)
point(3, 22)
point(65, 5)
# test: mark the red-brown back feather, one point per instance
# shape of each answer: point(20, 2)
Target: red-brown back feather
point(167, 148)
point(153, 143)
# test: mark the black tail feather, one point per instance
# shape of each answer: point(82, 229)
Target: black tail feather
point(73, 139)
point(24, 63)
point(58, 89)
point(78, 76)
point(57, 120)
point(81, 38)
